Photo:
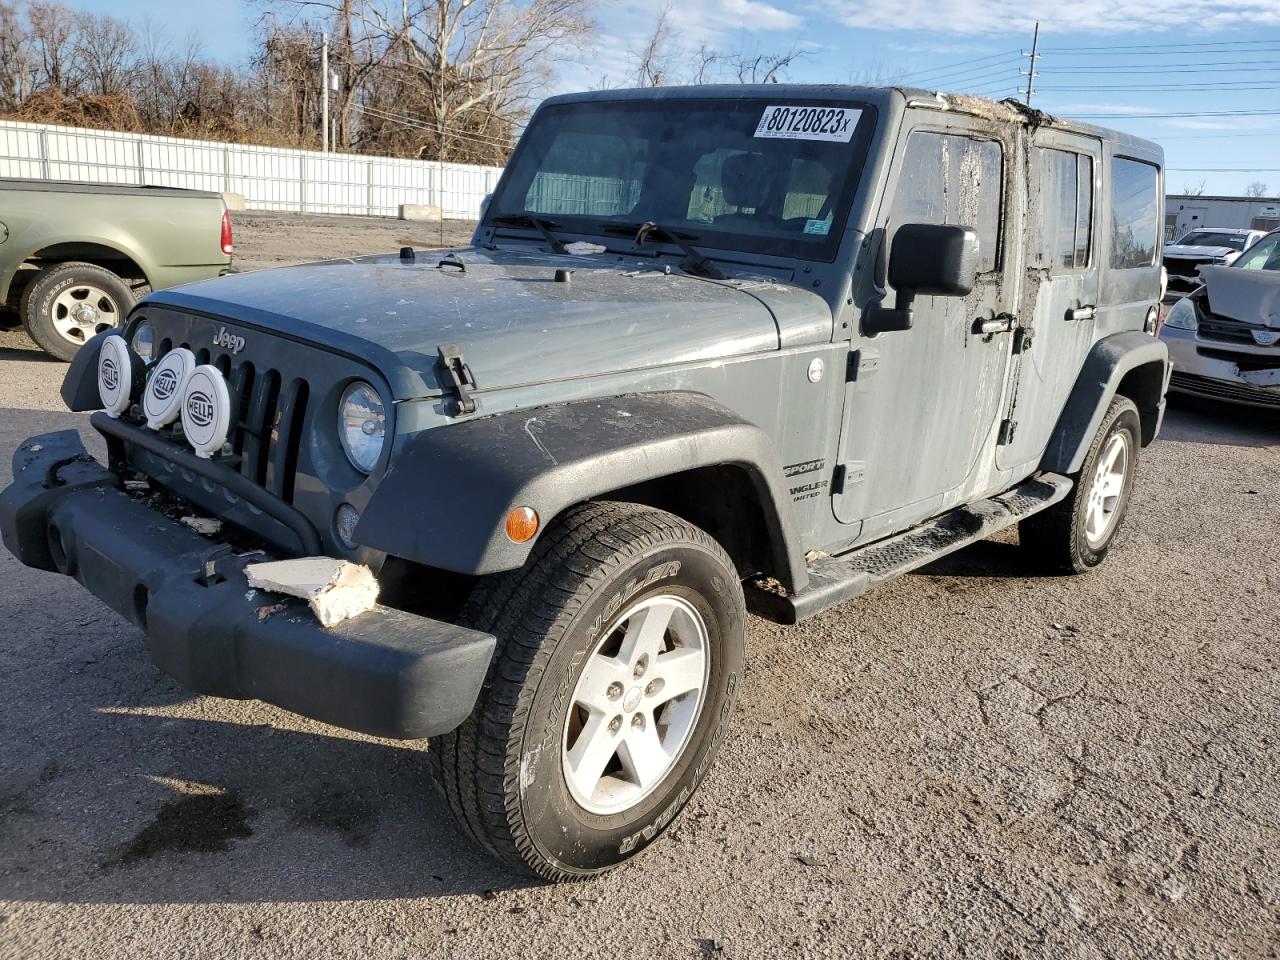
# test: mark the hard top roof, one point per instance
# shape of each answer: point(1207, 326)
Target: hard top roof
point(1009, 111)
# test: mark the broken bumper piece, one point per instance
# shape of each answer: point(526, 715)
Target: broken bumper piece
point(387, 673)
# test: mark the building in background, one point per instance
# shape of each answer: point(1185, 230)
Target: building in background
point(1184, 213)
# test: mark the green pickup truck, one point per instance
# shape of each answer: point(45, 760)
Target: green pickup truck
point(72, 255)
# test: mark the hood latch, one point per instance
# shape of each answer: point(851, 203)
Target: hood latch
point(456, 379)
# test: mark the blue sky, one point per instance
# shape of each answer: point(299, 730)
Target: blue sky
point(1198, 57)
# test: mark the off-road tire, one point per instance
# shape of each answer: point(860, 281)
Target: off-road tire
point(1054, 539)
point(41, 294)
point(501, 771)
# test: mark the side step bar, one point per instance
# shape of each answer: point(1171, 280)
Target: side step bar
point(833, 580)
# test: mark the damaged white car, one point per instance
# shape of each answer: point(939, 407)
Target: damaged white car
point(1224, 337)
point(1184, 258)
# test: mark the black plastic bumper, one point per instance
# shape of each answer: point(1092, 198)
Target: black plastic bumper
point(387, 673)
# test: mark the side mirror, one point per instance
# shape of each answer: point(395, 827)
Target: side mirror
point(935, 260)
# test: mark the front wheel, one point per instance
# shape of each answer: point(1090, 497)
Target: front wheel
point(620, 648)
point(1075, 534)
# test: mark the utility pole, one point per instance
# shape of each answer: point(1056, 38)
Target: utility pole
point(1034, 55)
point(324, 93)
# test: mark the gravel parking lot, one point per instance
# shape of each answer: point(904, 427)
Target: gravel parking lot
point(970, 761)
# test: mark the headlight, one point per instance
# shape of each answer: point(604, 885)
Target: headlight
point(1182, 315)
point(362, 425)
point(144, 341)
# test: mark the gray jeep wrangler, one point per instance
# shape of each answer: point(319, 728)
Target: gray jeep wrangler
point(711, 350)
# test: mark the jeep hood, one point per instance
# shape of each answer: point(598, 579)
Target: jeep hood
point(1250, 296)
point(513, 321)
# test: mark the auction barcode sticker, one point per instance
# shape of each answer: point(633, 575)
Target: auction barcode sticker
point(835, 124)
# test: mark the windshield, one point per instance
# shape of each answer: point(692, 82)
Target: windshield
point(757, 175)
point(1208, 238)
point(1263, 255)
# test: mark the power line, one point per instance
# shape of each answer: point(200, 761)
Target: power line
point(1222, 66)
point(1159, 46)
point(419, 123)
point(1190, 113)
point(1225, 169)
point(968, 76)
point(1156, 88)
point(951, 66)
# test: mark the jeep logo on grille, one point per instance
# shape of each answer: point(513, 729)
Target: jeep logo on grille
point(229, 340)
point(200, 408)
point(165, 382)
point(110, 374)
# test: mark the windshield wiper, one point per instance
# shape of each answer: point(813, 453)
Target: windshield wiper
point(693, 262)
point(542, 225)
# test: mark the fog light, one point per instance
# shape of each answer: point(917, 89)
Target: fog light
point(522, 524)
point(162, 400)
point(206, 411)
point(344, 524)
point(1153, 319)
point(116, 375)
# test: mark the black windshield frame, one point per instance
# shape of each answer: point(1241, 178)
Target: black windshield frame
point(683, 139)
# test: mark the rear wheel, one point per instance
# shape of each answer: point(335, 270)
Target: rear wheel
point(620, 646)
point(1075, 534)
point(65, 306)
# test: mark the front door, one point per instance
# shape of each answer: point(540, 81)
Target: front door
point(922, 409)
point(1059, 290)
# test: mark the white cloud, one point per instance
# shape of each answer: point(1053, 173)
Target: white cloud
point(1091, 16)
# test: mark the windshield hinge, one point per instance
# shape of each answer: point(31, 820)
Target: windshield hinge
point(456, 379)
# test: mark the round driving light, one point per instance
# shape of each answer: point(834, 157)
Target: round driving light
point(206, 410)
point(522, 524)
point(162, 400)
point(344, 524)
point(117, 375)
point(362, 425)
point(144, 341)
point(1153, 319)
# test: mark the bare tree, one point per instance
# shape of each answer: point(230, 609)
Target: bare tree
point(1196, 191)
point(654, 62)
point(1256, 189)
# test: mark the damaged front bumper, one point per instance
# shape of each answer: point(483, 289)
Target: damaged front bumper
point(1237, 373)
point(387, 673)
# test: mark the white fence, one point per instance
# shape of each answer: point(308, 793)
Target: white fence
point(269, 178)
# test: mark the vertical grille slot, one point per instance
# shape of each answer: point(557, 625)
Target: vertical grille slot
point(241, 384)
point(257, 426)
point(286, 432)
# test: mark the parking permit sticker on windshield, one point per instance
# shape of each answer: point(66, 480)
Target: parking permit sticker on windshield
point(834, 124)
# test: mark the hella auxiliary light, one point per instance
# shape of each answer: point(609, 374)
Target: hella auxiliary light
point(206, 410)
point(166, 386)
point(120, 373)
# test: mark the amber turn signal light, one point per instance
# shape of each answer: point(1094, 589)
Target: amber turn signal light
point(522, 524)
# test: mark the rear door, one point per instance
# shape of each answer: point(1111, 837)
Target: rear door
point(1059, 290)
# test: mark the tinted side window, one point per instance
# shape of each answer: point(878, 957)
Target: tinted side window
point(952, 179)
point(1134, 204)
point(1065, 198)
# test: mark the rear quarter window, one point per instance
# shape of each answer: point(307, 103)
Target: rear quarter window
point(1135, 202)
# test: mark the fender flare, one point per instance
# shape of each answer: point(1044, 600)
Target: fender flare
point(145, 263)
point(1107, 364)
point(445, 500)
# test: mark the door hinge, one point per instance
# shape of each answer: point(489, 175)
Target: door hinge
point(1007, 429)
point(1021, 340)
point(846, 475)
point(456, 379)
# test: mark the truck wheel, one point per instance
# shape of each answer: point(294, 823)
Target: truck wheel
point(1075, 534)
point(620, 648)
point(65, 306)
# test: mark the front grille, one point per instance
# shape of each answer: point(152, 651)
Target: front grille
point(1245, 361)
point(267, 433)
point(1213, 327)
point(1225, 390)
point(1184, 268)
